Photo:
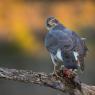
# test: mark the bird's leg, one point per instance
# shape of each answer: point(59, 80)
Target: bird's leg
point(55, 69)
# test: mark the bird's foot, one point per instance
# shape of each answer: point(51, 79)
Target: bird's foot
point(56, 74)
point(75, 71)
point(73, 77)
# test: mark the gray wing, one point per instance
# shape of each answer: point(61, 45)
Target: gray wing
point(58, 39)
point(80, 44)
point(65, 40)
point(51, 43)
point(81, 48)
point(54, 42)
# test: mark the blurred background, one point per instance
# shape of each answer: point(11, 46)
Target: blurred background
point(22, 33)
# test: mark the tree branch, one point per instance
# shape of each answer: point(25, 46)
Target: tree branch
point(67, 86)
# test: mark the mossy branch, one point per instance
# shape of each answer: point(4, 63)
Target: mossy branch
point(48, 80)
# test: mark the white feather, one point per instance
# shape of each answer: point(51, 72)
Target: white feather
point(76, 55)
point(52, 58)
point(83, 38)
point(59, 55)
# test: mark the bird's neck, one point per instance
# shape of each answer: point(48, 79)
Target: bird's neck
point(59, 26)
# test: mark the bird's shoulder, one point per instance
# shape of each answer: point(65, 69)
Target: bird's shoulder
point(78, 38)
point(61, 32)
point(50, 40)
point(50, 36)
point(75, 35)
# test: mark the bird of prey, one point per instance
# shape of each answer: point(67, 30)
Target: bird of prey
point(66, 48)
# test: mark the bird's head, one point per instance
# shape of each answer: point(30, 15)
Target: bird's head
point(51, 22)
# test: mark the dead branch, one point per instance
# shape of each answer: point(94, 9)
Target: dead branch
point(48, 80)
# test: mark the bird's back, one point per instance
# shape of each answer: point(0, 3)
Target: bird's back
point(68, 41)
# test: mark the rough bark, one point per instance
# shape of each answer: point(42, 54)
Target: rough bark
point(65, 85)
